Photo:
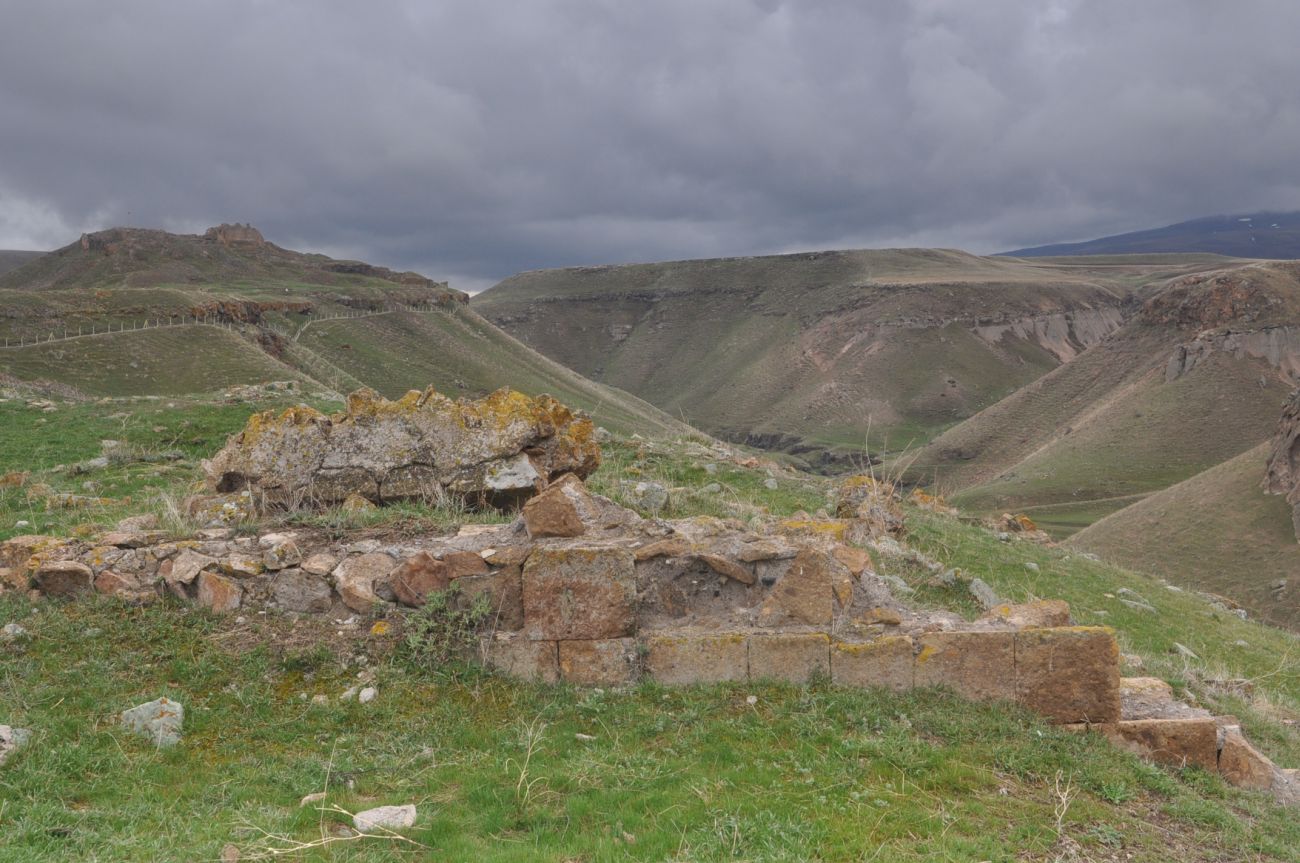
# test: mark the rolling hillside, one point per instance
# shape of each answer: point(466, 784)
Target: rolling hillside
point(814, 352)
point(1254, 235)
point(1217, 531)
point(1195, 378)
point(12, 259)
point(130, 312)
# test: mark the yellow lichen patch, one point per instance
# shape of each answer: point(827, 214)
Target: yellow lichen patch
point(926, 653)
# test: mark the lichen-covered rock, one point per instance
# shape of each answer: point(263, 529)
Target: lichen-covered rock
point(873, 501)
point(500, 449)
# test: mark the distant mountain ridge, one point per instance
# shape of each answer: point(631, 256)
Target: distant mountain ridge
point(12, 259)
point(1247, 235)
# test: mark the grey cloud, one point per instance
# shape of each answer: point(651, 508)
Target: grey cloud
point(472, 140)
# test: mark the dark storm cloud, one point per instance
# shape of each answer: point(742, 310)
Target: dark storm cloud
point(471, 140)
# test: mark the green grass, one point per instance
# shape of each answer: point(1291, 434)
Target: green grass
point(819, 772)
point(692, 774)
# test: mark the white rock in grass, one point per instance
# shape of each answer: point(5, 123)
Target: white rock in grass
point(159, 720)
point(367, 695)
point(11, 740)
point(385, 818)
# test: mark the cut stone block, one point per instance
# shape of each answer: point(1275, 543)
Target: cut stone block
point(1039, 613)
point(600, 662)
point(682, 659)
point(522, 658)
point(561, 510)
point(1069, 674)
point(418, 576)
point(794, 657)
point(977, 665)
point(1180, 742)
point(886, 662)
point(579, 593)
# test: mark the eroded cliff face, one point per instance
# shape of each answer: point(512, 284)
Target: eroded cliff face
point(1279, 346)
point(1282, 472)
point(1063, 334)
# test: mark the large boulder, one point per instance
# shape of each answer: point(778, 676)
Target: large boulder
point(497, 450)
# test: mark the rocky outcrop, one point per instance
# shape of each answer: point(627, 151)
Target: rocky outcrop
point(498, 450)
point(235, 235)
point(1279, 346)
point(1282, 475)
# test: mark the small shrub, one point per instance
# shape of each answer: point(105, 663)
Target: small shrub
point(442, 635)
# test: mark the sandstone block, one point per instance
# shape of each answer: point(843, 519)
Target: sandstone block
point(463, 563)
point(856, 560)
point(564, 509)
point(1069, 674)
point(63, 578)
point(355, 579)
point(600, 662)
point(886, 662)
point(418, 576)
point(1039, 613)
point(302, 591)
point(519, 657)
point(1241, 764)
point(804, 593)
point(1180, 742)
point(794, 657)
point(977, 665)
point(579, 593)
point(17, 553)
point(187, 565)
point(675, 547)
point(219, 593)
point(684, 659)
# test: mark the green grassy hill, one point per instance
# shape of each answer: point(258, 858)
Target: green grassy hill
point(1217, 531)
point(134, 312)
point(818, 351)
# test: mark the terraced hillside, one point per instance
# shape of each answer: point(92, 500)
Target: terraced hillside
point(136, 312)
point(815, 352)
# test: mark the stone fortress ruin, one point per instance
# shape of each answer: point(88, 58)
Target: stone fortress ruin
point(584, 591)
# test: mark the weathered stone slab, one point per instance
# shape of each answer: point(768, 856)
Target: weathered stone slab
point(522, 658)
point(505, 445)
point(794, 657)
point(63, 578)
point(1180, 742)
point(886, 662)
point(1242, 765)
point(563, 509)
point(355, 579)
point(977, 665)
point(1069, 674)
point(219, 593)
point(418, 576)
point(804, 593)
point(600, 662)
point(302, 591)
point(1039, 613)
point(579, 593)
point(683, 659)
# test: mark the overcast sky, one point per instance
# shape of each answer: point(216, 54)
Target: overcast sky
point(471, 140)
